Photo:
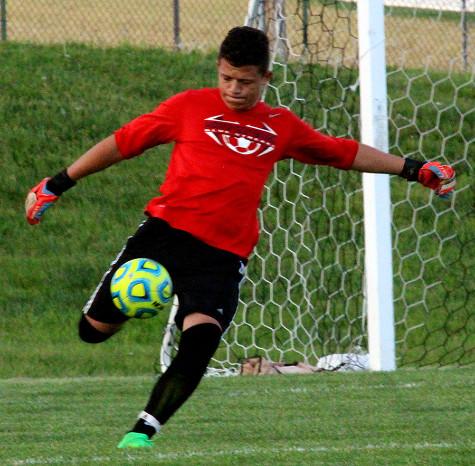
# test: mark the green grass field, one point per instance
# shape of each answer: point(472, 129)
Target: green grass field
point(405, 418)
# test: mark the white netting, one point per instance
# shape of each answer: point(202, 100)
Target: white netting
point(303, 297)
point(432, 116)
point(304, 294)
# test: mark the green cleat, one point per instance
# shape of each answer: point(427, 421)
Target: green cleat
point(135, 440)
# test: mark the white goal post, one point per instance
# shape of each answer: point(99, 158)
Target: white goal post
point(377, 199)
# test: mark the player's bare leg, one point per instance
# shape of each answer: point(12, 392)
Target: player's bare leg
point(197, 318)
point(103, 326)
point(94, 331)
point(199, 341)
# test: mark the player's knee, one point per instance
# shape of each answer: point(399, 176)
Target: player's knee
point(197, 346)
point(89, 334)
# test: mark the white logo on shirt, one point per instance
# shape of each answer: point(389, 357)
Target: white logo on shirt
point(242, 139)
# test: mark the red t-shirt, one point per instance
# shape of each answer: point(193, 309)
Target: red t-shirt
point(221, 160)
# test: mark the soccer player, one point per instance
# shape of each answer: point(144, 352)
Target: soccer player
point(204, 226)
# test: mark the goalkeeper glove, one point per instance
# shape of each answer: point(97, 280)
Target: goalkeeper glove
point(440, 178)
point(45, 194)
point(433, 175)
point(38, 200)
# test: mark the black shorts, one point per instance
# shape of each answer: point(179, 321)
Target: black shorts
point(205, 279)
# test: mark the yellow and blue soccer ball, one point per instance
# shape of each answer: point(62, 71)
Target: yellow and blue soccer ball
point(141, 288)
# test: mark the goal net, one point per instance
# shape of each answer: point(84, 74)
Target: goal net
point(304, 294)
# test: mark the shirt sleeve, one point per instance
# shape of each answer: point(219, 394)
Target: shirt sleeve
point(151, 129)
point(310, 146)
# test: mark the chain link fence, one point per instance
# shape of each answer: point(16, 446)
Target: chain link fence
point(188, 24)
point(180, 24)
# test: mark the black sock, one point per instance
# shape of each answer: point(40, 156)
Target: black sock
point(197, 346)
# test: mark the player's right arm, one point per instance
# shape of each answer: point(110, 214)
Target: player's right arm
point(102, 155)
point(151, 129)
point(47, 192)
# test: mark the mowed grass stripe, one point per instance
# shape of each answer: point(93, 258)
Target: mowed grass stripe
point(243, 452)
point(328, 418)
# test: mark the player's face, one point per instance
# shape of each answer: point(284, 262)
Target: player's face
point(240, 88)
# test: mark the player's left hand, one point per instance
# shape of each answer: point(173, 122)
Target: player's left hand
point(38, 200)
point(440, 178)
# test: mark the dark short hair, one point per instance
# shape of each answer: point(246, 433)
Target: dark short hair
point(244, 46)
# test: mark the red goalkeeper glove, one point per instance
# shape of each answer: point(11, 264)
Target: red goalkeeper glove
point(45, 194)
point(37, 201)
point(440, 178)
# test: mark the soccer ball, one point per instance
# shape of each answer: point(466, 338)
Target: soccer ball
point(141, 288)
